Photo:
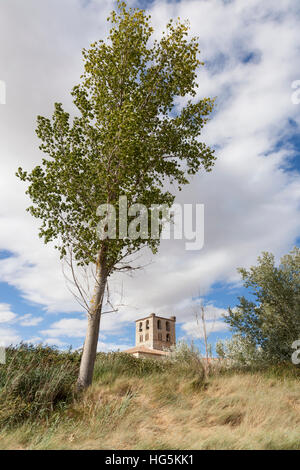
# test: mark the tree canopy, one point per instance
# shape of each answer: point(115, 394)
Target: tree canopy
point(271, 321)
point(129, 138)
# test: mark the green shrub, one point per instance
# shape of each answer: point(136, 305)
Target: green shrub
point(240, 352)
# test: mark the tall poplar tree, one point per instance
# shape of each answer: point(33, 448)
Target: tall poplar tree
point(128, 139)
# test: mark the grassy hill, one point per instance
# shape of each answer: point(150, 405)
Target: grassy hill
point(143, 404)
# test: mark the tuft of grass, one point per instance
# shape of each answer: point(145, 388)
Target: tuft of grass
point(110, 366)
point(35, 382)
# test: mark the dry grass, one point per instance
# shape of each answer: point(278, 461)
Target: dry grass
point(167, 410)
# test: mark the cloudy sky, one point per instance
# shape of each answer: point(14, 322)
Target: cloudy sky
point(252, 198)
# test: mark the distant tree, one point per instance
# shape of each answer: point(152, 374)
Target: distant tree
point(129, 139)
point(271, 321)
point(205, 324)
point(240, 351)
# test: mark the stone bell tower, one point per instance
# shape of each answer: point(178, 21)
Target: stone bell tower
point(155, 332)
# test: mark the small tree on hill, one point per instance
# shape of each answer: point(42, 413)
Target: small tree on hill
point(271, 322)
point(129, 140)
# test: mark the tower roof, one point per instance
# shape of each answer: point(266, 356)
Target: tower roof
point(157, 316)
point(144, 349)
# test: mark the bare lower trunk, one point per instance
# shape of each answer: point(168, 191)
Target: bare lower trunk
point(88, 358)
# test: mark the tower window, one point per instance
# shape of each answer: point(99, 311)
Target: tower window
point(168, 338)
point(147, 325)
point(141, 338)
point(158, 324)
point(141, 326)
point(147, 337)
point(167, 326)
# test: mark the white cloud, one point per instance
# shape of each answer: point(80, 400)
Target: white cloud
point(251, 202)
point(195, 330)
point(76, 327)
point(210, 311)
point(9, 336)
point(6, 315)
point(109, 347)
point(55, 342)
point(30, 320)
point(38, 340)
point(35, 340)
point(213, 318)
point(68, 327)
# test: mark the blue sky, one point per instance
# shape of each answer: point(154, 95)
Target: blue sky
point(252, 197)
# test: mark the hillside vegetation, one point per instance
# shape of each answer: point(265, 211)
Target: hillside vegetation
point(143, 404)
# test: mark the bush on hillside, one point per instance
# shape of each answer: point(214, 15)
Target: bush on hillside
point(269, 323)
point(239, 352)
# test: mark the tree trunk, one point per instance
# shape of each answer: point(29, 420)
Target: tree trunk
point(88, 358)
